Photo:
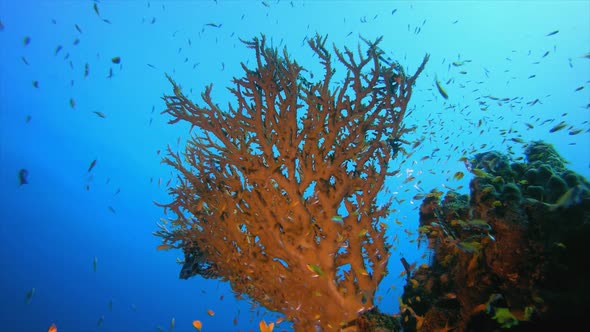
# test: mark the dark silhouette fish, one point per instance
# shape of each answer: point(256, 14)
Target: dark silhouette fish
point(23, 174)
point(552, 33)
point(92, 164)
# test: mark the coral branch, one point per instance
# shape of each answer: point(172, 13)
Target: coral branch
point(277, 194)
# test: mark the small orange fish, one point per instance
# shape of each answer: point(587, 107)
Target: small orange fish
point(198, 325)
point(163, 247)
point(52, 328)
point(450, 296)
point(266, 328)
point(210, 312)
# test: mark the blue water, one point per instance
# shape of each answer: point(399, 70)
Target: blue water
point(53, 228)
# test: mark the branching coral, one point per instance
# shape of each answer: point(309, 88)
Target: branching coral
point(278, 194)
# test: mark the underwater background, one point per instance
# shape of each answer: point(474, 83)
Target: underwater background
point(82, 137)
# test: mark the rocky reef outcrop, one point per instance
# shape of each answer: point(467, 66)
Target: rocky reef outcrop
point(511, 254)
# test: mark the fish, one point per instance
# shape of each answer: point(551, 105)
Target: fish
point(100, 114)
point(579, 88)
point(95, 263)
point(100, 321)
point(163, 247)
point(266, 327)
point(570, 198)
point(337, 218)
point(458, 176)
point(95, 7)
point(409, 179)
point(215, 25)
point(479, 224)
point(558, 127)
point(78, 28)
point(92, 164)
point(72, 103)
point(172, 324)
point(552, 33)
point(57, 49)
point(52, 328)
point(111, 305)
point(418, 196)
point(316, 269)
point(29, 295)
point(469, 246)
point(23, 175)
point(26, 40)
point(197, 325)
point(116, 60)
point(441, 90)
point(210, 312)
point(86, 70)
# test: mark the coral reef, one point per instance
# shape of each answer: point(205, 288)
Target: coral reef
point(509, 255)
point(277, 194)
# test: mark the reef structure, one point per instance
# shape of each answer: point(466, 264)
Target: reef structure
point(509, 255)
point(277, 193)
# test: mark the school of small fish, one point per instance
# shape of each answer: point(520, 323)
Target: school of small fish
point(459, 95)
